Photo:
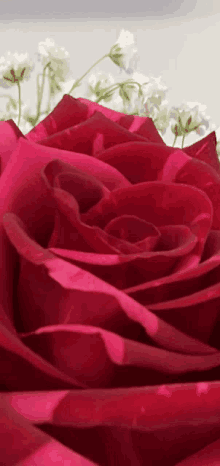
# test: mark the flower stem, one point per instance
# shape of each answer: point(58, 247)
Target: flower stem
point(106, 91)
point(48, 104)
point(40, 93)
point(183, 140)
point(174, 142)
point(19, 101)
point(99, 99)
point(87, 72)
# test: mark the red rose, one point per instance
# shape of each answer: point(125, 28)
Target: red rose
point(110, 293)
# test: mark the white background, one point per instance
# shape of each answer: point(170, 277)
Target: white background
point(179, 41)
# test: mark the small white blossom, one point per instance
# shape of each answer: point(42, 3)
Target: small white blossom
point(155, 91)
point(153, 95)
point(124, 53)
point(107, 80)
point(125, 39)
point(57, 56)
point(135, 106)
point(98, 83)
point(14, 67)
point(192, 117)
point(162, 119)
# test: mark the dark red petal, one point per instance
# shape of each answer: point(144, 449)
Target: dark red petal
point(23, 444)
point(70, 112)
point(49, 282)
point(205, 150)
point(178, 422)
point(91, 136)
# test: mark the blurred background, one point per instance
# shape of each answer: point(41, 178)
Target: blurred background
point(177, 40)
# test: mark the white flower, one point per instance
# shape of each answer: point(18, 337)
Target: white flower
point(57, 56)
point(125, 39)
point(97, 83)
point(14, 67)
point(192, 116)
point(153, 96)
point(135, 106)
point(106, 80)
point(155, 91)
point(200, 131)
point(162, 119)
point(124, 53)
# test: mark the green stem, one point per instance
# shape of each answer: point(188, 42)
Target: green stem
point(49, 79)
point(114, 87)
point(19, 101)
point(174, 142)
point(183, 140)
point(124, 107)
point(102, 96)
point(87, 72)
point(99, 98)
point(38, 87)
point(40, 93)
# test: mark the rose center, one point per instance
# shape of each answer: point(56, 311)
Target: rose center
point(130, 228)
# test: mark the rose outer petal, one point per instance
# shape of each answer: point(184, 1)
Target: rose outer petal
point(142, 424)
point(91, 136)
point(99, 358)
point(23, 444)
point(70, 112)
point(17, 360)
point(9, 136)
point(205, 150)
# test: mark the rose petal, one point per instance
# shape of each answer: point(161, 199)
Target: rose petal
point(22, 444)
point(9, 136)
point(47, 281)
point(17, 360)
point(99, 358)
point(205, 150)
point(142, 424)
point(167, 204)
point(150, 161)
point(70, 112)
point(91, 137)
point(143, 126)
